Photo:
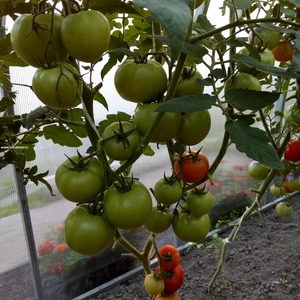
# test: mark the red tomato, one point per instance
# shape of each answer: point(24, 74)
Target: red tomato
point(173, 279)
point(169, 257)
point(292, 152)
point(283, 52)
point(193, 166)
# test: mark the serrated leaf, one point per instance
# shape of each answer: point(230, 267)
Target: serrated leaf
point(249, 99)
point(252, 62)
point(12, 60)
point(194, 50)
point(62, 136)
point(188, 103)
point(252, 141)
point(175, 16)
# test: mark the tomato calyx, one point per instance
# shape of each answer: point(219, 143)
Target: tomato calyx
point(123, 184)
point(121, 135)
point(193, 155)
point(81, 165)
point(188, 72)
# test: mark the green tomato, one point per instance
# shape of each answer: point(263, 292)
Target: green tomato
point(140, 82)
point(190, 228)
point(258, 171)
point(36, 41)
point(194, 127)
point(167, 191)
point(266, 57)
point(88, 234)
point(129, 209)
point(58, 87)
point(188, 85)
point(159, 221)
point(291, 115)
point(120, 140)
point(200, 204)
point(264, 37)
point(83, 185)
point(167, 128)
point(277, 190)
point(86, 35)
point(243, 81)
point(284, 209)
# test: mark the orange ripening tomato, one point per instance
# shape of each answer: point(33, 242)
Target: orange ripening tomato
point(168, 297)
point(283, 52)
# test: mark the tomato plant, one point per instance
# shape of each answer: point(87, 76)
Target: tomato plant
point(169, 257)
point(82, 44)
point(154, 284)
point(80, 180)
point(58, 87)
point(189, 83)
point(120, 140)
point(199, 202)
point(284, 209)
point(165, 296)
point(292, 152)
point(168, 190)
point(264, 37)
point(159, 221)
point(258, 171)
point(140, 82)
point(182, 72)
point(86, 233)
point(129, 208)
point(190, 228)
point(291, 115)
point(266, 56)
point(193, 166)
point(173, 279)
point(36, 39)
point(283, 52)
point(194, 127)
point(167, 127)
point(173, 296)
point(277, 190)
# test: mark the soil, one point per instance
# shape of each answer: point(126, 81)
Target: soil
point(262, 263)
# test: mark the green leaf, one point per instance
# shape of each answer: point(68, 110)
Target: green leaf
point(148, 151)
point(12, 60)
point(252, 141)
point(249, 99)
point(194, 50)
point(252, 62)
point(242, 4)
point(5, 103)
point(175, 16)
point(77, 115)
point(295, 2)
point(5, 45)
point(188, 103)
point(100, 99)
point(62, 136)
